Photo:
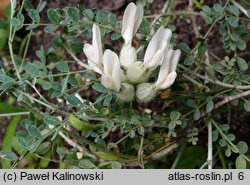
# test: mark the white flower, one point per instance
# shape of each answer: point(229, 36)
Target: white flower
point(111, 76)
point(107, 64)
point(157, 48)
point(167, 72)
point(145, 92)
point(131, 21)
point(94, 52)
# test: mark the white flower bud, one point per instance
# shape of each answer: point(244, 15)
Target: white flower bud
point(137, 73)
point(145, 92)
point(127, 56)
point(126, 93)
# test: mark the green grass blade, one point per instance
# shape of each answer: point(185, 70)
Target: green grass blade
point(8, 139)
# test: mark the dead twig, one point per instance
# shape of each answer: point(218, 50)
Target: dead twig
point(226, 100)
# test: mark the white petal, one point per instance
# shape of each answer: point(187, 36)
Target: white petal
point(169, 47)
point(117, 74)
point(164, 70)
point(175, 60)
point(90, 53)
point(94, 67)
point(108, 61)
point(94, 51)
point(108, 82)
point(112, 69)
point(160, 40)
point(155, 61)
point(168, 81)
point(152, 47)
point(138, 18)
point(128, 22)
point(164, 38)
point(97, 43)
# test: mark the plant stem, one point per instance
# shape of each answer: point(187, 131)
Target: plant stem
point(180, 152)
point(75, 145)
point(62, 74)
point(26, 50)
point(194, 81)
point(182, 12)
point(201, 105)
point(28, 107)
point(14, 114)
point(39, 94)
point(11, 38)
point(30, 147)
point(204, 165)
point(140, 154)
point(162, 151)
point(77, 59)
point(222, 159)
point(38, 101)
point(210, 146)
point(225, 137)
point(217, 82)
point(13, 60)
point(122, 139)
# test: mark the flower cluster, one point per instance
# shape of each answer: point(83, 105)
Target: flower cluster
point(127, 76)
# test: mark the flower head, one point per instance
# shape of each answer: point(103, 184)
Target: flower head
point(131, 21)
point(94, 52)
point(134, 73)
point(111, 77)
point(157, 47)
point(167, 72)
